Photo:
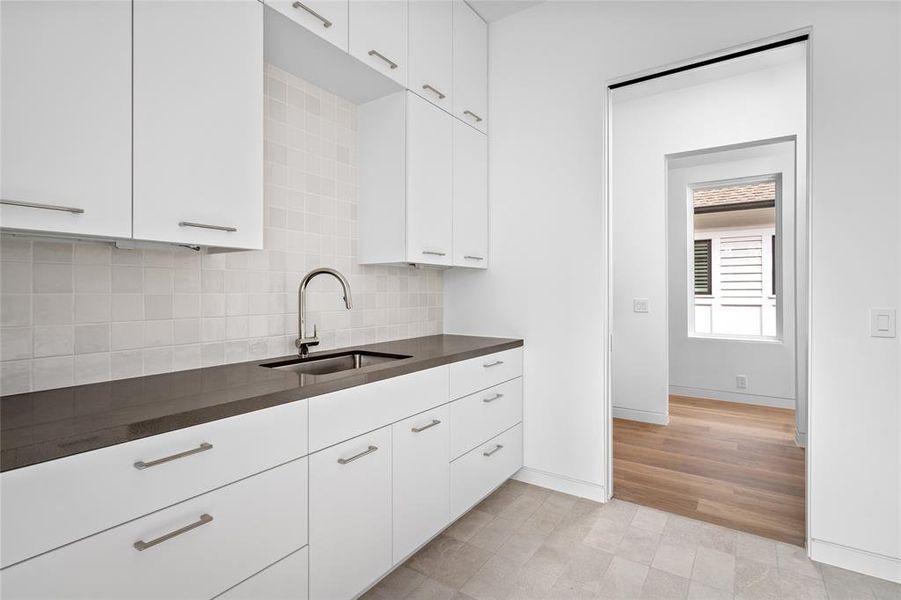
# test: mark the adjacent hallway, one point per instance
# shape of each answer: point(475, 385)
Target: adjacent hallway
point(731, 464)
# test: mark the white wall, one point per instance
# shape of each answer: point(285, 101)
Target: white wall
point(548, 68)
point(707, 366)
point(649, 124)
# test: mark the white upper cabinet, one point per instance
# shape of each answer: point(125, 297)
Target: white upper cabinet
point(406, 176)
point(470, 197)
point(66, 118)
point(378, 36)
point(429, 183)
point(470, 66)
point(198, 122)
point(325, 18)
point(432, 50)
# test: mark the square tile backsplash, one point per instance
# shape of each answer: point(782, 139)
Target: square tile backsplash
point(82, 312)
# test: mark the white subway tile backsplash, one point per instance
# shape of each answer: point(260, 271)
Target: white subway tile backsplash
point(78, 312)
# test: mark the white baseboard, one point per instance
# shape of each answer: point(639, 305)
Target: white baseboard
point(678, 390)
point(645, 416)
point(800, 439)
point(562, 483)
point(861, 561)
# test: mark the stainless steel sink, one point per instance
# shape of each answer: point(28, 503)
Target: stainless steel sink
point(334, 363)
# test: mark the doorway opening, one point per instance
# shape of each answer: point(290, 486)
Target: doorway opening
point(708, 301)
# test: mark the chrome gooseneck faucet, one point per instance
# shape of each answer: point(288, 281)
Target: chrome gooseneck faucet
point(304, 342)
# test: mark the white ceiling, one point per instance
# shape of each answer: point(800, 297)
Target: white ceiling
point(494, 10)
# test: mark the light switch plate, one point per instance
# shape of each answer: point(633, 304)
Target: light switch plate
point(882, 322)
point(640, 305)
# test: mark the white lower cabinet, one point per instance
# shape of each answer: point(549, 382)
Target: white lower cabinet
point(479, 471)
point(420, 479)
point(350, 515)
point(285, 580)
point(194, 549)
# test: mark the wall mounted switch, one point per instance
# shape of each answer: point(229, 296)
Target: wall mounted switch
point(640, 305)
point(882, 322)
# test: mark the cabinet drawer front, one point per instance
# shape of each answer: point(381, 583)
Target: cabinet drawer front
point(195, 549)
point(105, 487)
point(347, 413)
point(350, 515)
point(325, 18)
point(285, 580)
point(420, 479)
point(485, 414)
point(480, 373)
point(475, 474)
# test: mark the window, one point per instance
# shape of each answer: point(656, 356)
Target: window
point(703, 274)
point(733, 230)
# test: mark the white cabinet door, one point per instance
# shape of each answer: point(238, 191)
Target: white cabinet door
point(198, 122)
point(378, 36)
point(350, 515)
point(421, 479)
point(470, 66)
point(429, 181)
point(285, 580)
point(325, 18)
point(470, 197)
point(66, 118)
point(432, 50)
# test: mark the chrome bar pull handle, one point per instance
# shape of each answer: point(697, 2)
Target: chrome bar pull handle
point(325, 22)
point(496, 448)
point(391, 63)
point(492, 398)
point(141, 545)
point(434, 253)
point(493, 364)
point(473, 115)
point(140, 465)
point(424, 427)
point(207, 226)
point(69, 209)
point(370, 450)
point(431, 89)
point(471, 257)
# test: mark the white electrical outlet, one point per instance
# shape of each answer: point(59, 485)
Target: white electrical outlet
point(640, 305)
point(741, 382)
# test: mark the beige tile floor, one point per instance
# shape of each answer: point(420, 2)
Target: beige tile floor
point(526, 542)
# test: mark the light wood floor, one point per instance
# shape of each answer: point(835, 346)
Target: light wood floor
point(732, 464)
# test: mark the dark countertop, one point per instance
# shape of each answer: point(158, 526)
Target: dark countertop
point(40, 426)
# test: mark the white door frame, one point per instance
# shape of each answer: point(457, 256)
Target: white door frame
point(803, 336)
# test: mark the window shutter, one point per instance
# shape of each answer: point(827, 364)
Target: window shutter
point(703, 275)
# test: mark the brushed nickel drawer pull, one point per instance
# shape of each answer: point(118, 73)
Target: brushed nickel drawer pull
point(141, 545)
point(325, 22)
point(68, 209)
point(473, 115)
point(490, 452)
point(205, 226)
point(493, 398)
point(370, 450)
point(431, 89)
point(494, 364)
point(470, 257)
point(434, 253)
point(391, 63)
point(424, 427)
point(201, 448)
